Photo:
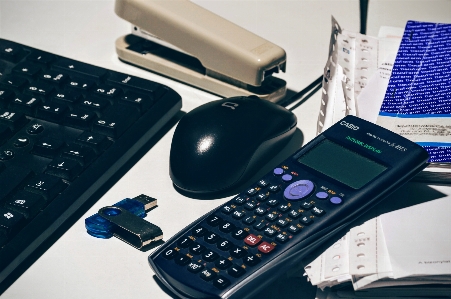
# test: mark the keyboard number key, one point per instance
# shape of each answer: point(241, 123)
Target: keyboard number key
point(10, 221)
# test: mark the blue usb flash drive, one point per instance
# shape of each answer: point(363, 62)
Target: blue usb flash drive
point(99, 227)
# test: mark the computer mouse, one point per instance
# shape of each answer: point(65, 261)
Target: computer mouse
point(220, 144)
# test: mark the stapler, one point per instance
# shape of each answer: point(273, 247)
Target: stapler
point(183, 41)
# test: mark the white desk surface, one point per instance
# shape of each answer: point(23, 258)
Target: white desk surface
point(80, 266)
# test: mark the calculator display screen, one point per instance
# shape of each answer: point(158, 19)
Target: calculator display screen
point(341, 164)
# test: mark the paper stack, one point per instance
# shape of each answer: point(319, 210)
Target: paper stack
point(366, 76)
point(410, 247)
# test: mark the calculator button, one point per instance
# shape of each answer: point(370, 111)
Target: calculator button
point(210, 256)
point(306, 220)
point(294, 229)
point(271, 217)
point(265, 247)
point(226, 227)
point(238, 214)
point(250, 205)
point(236, 271)
point(199, 231)
point(195, 267)
point(252, 240)
point(306, 205)
point(224, 244)
point(249, 220)
point(318, 212)
point(260, 211)
point(239, 234)
point(182, 260)
point(239, 200)
point(213, 220)
point(227, 210)
point(293, 214)
point(211, 238)
point(282, 223)
point(282, 238)
point(274, 188)
point(196, 248)
point(237, 252)
point(322, 195)
point(262, 197)
point(278, 171)
point(223, 263)
point(207, 274)
point(184, 242)
point(263, 183)
point(261, 225)
point(221, 282)
point(169, 254)
point(287, 177)
point(251, 260)
point(336, 200)
point(283, 208)
point(270, 231)
point(272, 202)
point(252, 192)
point(298, 190)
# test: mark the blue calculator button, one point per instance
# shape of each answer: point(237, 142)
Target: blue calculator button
point(322, 195)
point(336, 200)
point(298, 190)
point(278, 171)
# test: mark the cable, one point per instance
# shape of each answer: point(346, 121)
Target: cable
point(315, 85)
point(301, 93)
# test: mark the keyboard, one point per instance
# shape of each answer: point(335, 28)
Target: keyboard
point(66, 129)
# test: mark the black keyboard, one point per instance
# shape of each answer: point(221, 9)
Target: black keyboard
point(66, 128)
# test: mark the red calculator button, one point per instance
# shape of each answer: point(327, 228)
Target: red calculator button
point(252, 240)
point(265, 247)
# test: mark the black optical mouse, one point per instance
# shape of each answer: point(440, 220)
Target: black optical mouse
point(220, 144)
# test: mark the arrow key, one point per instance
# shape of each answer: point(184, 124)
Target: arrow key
point(48, 147)
point(64, 168)
point(83, 155)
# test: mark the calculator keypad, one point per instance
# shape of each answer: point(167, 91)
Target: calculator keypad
point(250, 228)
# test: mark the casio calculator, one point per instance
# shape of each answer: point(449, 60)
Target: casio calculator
point(234, 250)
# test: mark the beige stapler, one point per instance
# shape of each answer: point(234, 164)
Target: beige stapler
point(183, 41)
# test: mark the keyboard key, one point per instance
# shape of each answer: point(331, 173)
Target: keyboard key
point(46, 185)
point(196, 248)
point(184, 242)
point(252, 240)
point(53, 77)
point(26, 203)
point(53, 112)
point(213, 220)
point(14, 81)
point(107, 91)
point(135, 82)
point(141, 102)
point(48, 147)
point(26, 69)
point(95, 141)
point(11, 51)
point(83, 155)
point(169, 254)
point(12, 177)
point(64, 168)
point(41, 57)
point(79, 118)
point(79, 68)
point(237, 252)
point(182, 260)
point(39, 88)
point(265, 247)
point(199, 231)
point(26, 104)
point(211, 238)
point(10, 221)
point(116, 120)
point(209, 256)
point(14, 120)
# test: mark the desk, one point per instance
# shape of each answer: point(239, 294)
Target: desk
point(79, 266)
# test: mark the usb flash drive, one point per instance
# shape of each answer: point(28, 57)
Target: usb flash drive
point(99, 227)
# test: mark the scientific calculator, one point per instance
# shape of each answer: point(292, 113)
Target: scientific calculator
point(241, 246)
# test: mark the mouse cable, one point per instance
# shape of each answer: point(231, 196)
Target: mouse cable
point(300, 96)
point(315, 85)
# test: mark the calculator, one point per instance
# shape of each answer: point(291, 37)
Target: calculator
point(242, 245)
